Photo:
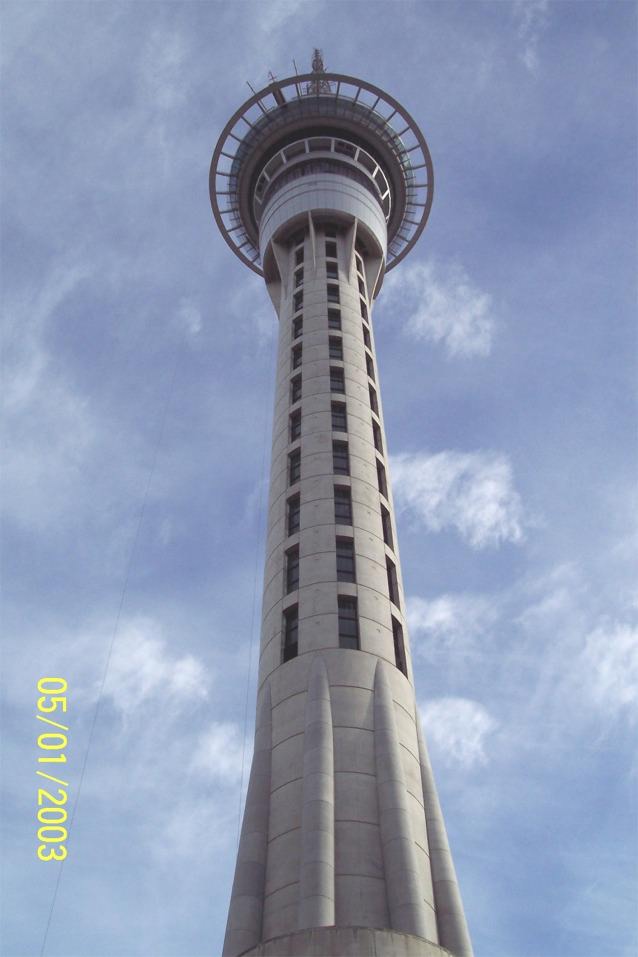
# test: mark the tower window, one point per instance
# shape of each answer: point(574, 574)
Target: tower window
point(376, 434)
point(334, 319)
point(292, 569)
point(296, 357)
point(294, 466)
point(374, 405)
point(295, 425)
point(348, 623)
point(330, 232)
point(364, 310)
point(370, 366)
point(339, 417)
point(340, 458)
point(298, 238)
point(336, 347)
point(299, 256)
point(333, 293)
point(360, 247)
point(297, 327)
point(337, 381)
point(297, 300)
point(343, 505)
point(362, 288)
point(383, 485)
point(345, 560)
point(294, 514)
point(366, 338)
point(331, 270)
point(331, 249)
point(399, 647)
point(295, 389)
point(291, 632)
point(299, 277)
point(393, 585)
point(386, 522)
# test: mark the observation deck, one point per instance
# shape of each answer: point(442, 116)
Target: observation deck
point(299, 126)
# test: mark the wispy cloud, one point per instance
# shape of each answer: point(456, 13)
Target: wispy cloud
point(472, 492)
point(531, 18)
point(458, 729)
point(441, 304)
point(142, 669)
point(218, 753)
point(608, 667)
point(451, 626)
point(188, 318)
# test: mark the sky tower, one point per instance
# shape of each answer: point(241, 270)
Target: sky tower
point(320, 183)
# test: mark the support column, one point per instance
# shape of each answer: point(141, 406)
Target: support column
point(402, 879)
point(317, 878)
point(245, 914)
point(450, 916)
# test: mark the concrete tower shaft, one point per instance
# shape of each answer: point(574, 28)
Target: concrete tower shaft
point(343, 847)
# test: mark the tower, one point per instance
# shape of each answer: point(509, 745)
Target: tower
point(320, 183)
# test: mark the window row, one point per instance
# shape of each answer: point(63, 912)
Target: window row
point(344, 550)
point(334, 323)
point(340, 464)
point(343, 513)
point(348, 619)
point(335, 349)
point(337, 374)
point(348, 629)
point(339, 420)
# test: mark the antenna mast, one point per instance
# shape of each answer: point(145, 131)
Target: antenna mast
point(318, 84)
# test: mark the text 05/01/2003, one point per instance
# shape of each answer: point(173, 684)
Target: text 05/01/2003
point(52, 813)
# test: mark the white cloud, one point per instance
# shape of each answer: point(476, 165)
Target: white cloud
point(189, 318)
point(442, 305)
point(609, 668)
point(141, 669)
point(458, 728)
point(531, 18)
point(449, 625)
point(472, 492)
point(218, 753)
point(162, 72)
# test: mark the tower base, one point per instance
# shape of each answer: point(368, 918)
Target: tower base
point(347, 942)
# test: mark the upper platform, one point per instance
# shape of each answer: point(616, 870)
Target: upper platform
point(342, 123)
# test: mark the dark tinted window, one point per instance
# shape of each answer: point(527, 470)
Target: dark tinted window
point(292, 569)
point(387, 526)
point(399, 647)
point(340, 458)
point(294, 514)
point(295, 425)
point(343, 505)
point(348, 623)
point(336, 347)
point(393, 587)
point(339, 417)
point(294, 466)
point(291, 629)
point(337, 382)
point(345, 560)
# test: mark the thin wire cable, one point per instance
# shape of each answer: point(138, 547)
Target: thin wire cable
point(258, 554)
point(112, 643)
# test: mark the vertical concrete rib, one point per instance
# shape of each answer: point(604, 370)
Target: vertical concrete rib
point(317, 881)
point(245, 914)
point(403, 882)
point(450, 916)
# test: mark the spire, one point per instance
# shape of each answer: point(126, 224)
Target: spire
point(318, 84)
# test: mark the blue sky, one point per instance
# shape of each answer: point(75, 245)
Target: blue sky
point(138, 389)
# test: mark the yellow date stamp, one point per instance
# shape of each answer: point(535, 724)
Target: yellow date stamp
point(52, 811)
